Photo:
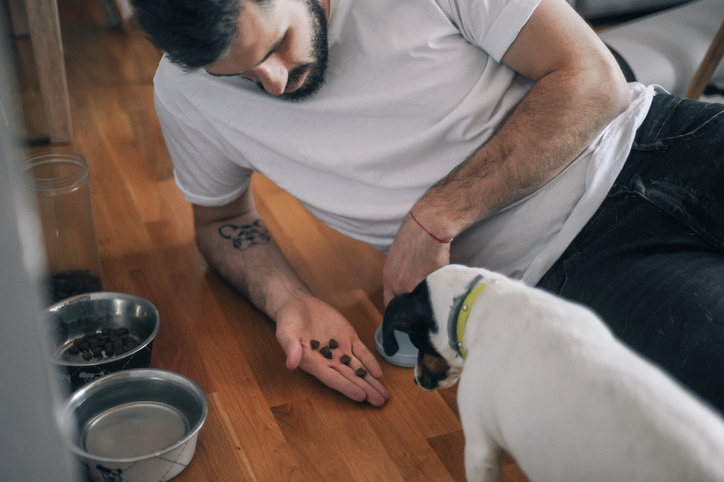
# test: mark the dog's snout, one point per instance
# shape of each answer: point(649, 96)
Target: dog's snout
point(435, 363)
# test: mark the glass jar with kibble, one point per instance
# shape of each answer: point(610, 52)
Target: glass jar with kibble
point(61, 184)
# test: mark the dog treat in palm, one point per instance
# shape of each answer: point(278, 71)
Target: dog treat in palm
point(326, 352)
point(333, 343)
point(345, 359)
point(361, 372)
point(315, 344)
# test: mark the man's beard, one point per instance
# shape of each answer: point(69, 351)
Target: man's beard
point(316, 68)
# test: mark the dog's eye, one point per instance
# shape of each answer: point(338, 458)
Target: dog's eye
point(435, 364)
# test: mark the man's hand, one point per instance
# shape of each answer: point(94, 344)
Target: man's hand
point(303, 320)
point(413, 255)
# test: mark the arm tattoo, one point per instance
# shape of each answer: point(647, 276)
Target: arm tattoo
point(244, 237)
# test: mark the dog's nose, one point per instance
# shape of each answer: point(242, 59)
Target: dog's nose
point(415, 380)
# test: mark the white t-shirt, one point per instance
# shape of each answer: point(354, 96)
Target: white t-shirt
point(412, 89)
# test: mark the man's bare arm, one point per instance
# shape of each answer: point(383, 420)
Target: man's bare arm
point(579, 89)
point(235, 242)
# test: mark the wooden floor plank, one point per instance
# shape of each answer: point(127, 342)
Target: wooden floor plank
point(219, 455)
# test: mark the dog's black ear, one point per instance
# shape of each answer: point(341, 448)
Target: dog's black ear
point(403, 314)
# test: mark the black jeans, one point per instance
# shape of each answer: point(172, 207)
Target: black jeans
point(651, 260)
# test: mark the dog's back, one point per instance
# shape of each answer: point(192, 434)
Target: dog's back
point(546, 381)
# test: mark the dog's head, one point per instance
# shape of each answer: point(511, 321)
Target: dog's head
point(423, 314)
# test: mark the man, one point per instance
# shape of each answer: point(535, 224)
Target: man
point(409, 123)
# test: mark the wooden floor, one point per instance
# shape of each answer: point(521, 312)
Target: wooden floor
point(265, 423)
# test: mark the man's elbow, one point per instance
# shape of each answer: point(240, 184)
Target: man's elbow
point(615, 88)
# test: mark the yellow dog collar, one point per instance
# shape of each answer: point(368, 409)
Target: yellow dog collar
point(459, 315)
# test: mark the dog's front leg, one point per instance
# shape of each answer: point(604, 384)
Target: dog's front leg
point(482, 462)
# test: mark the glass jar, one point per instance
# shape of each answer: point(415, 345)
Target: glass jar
point(61, 183)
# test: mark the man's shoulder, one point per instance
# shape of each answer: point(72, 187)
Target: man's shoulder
point(168, 74)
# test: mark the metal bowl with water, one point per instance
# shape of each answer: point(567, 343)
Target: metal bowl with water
point(135, 425)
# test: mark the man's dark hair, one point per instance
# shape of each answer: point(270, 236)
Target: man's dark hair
point(193, 33)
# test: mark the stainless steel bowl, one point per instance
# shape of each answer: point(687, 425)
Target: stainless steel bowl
point(136, 425)
point(74, 317)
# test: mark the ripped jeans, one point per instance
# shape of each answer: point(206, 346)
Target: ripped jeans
point(650, 261)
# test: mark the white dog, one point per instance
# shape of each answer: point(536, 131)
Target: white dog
point(546, 381)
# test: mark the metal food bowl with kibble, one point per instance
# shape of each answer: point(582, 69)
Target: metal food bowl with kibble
point(96, 334)
point(136, 425)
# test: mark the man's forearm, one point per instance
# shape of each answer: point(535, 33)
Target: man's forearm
point(242, 251)
point(553, 124)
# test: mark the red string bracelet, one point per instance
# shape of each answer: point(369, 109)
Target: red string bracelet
point(428, 232)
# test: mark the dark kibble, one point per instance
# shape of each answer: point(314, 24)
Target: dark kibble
point(333, 343)
point(315, 344)
point(325, 351)
point(345, 359)
point(105, 340)
point(72, 282)
point(361, 372)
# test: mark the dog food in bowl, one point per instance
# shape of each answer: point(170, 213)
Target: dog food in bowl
point(81, 328)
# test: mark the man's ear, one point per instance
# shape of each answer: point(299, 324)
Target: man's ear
point(405, 314)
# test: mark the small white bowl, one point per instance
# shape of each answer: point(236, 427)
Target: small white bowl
point(136, 425)
point(406, 356)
